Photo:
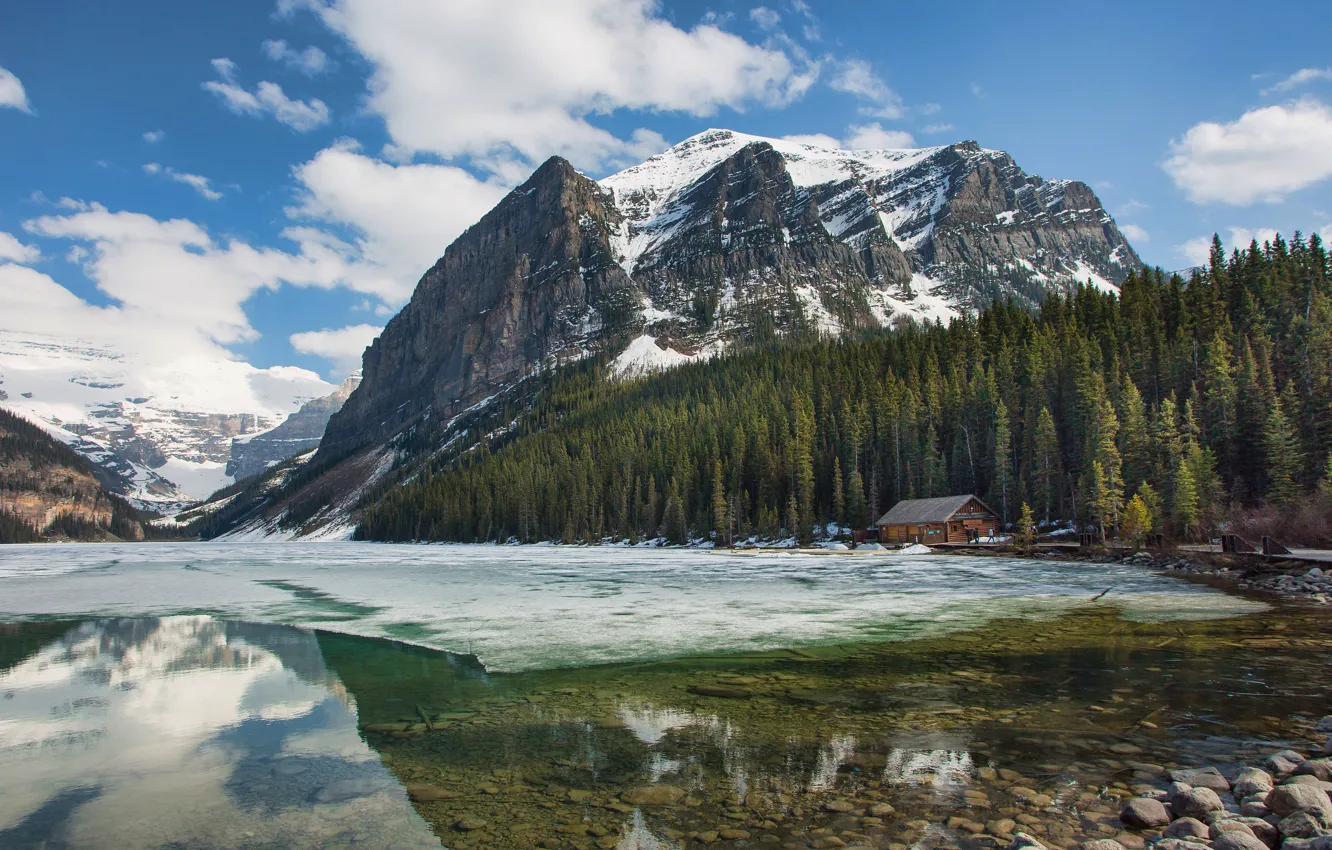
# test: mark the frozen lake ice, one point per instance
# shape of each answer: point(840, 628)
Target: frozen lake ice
point(541, 607)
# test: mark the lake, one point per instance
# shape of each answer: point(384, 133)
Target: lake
point(413, 696)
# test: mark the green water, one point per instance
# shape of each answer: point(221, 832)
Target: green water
point(950, 742)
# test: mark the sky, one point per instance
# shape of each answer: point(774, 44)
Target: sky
point(266, 180)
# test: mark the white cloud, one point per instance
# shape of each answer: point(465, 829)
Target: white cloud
point(341, 347)
point(518, 80)
point(267, 99)
point(874, 137)
point(766, 18)
point(403, 216)
point(152, 137)
point(311, 61)
point(977, 91)
point(856, 77)
point(818, 140)
point(1196, 250)
point(197, 182)
point(1264, 155)
point(12, 94)
point(1304, 76)
point(937, 128)
point(12, 249)
point(1134, 233)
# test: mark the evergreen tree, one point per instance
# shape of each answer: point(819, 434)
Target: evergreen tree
point(1047, 472)
point(838, 496)
point(1283, 458)
point(1137, 519)
point(1026, 526)
point(857, 509)
point(1003, 470)
point(720, 523)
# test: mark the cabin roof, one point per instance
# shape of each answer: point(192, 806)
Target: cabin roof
point(915, 511)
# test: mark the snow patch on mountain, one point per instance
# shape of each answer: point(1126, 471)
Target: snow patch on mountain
point(643, 357)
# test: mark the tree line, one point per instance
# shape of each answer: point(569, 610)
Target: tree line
point(1188, 400)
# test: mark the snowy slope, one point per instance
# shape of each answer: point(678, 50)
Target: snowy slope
point(164, 432)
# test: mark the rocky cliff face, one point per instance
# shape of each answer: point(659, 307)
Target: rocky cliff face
point(298, 433)
point(533, 282)
point(721, 238)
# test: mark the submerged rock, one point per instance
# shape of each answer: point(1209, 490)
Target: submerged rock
point(1203, 777)
point(715, 691)
point(1143, 813)
point(654, 795)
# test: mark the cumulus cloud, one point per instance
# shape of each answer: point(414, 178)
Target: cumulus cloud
point(152, 137)
point(12, 249)
point(856, 77)
point(311, 61)
point(518, 81)
point(1302, 77)
point(197, 182)
point(12, 94)
point(402, 216)
point(875, 137)
point(818, 140)
point(267, 99)
point(1134, 233)
point(1264, 155)
point(937, 128)
point(341, 347)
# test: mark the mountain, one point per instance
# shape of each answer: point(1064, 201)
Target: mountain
point(722, 242)
point(723, 238)
point(252, 454)
point(48, 491)
point(162, 436)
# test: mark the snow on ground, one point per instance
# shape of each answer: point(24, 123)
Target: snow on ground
point(925, 306)
point(644, 357)
point(532, 607)
point(196, 480)
point(915, 549)
point(1086, 274)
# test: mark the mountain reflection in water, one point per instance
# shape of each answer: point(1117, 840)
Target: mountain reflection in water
point(190, 732)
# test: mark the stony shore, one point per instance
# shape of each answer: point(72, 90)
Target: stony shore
point(1291, 579)
point(1283, 803)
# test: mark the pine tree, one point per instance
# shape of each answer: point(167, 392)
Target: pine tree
point(1108, 482)
point(1325, 483)
point(838, 496)
point(1152, 501)
point(1003, 469)
point(1283, 457)
point(857, 509)
point(720, 527)
point(1046, 464)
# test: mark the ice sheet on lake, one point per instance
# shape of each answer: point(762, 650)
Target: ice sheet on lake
point(534, 607)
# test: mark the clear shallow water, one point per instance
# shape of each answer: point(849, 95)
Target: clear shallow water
point(528, 608)
point(186, 732)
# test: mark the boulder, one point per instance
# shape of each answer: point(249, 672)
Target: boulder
point(1202, 777)
point(1283, 762)
point(1321, 843)
point(1262, 830)
point(1325, 724)
point(1180, 844)
point(1103, 844)
point(1197, 803)
point(1142, 813)
point(1238, 841)
point(1286, 800)
point(1187, 828)
point(1321, 768)
point(1308, 823)
point(1255, 810)
point(1251, 780)
point(1223, 825)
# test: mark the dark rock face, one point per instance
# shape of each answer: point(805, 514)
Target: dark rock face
point(298, 433)
point(709, 243)
point(532, 282)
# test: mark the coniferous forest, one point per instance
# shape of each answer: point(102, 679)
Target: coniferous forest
point(1180, 407)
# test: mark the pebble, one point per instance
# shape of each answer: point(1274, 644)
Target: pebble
point(469, 824)
point(654, 795)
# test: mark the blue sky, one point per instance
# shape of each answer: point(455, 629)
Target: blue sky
point(267, 179)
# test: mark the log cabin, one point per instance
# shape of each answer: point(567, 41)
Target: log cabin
point(947, 519)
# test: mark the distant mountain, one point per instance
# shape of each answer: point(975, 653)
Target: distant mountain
point(720, 242)
point(252, 454)
point(164, 436)
point(48, 491)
